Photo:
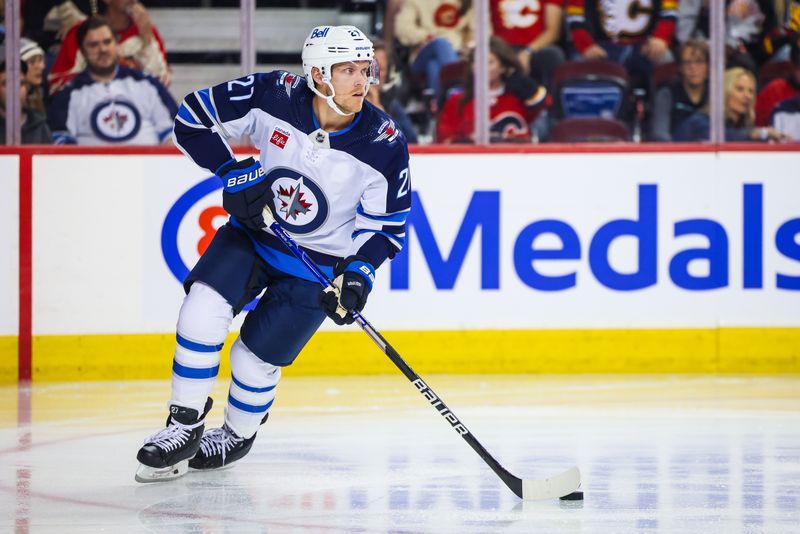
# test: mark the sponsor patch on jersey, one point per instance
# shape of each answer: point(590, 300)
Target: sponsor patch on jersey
point(279, 137)
point(298, 202)
point(115, 121)
point(388, 131)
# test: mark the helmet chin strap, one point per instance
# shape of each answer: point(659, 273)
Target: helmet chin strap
point(329, 98)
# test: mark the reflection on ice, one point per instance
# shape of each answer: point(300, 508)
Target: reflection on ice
point(725, 462)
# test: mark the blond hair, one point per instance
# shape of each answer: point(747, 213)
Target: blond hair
point(731, 76)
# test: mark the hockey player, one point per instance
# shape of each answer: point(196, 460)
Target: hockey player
point(334, 171)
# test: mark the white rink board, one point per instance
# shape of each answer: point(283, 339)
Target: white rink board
point(104, 257)
point(9, 245)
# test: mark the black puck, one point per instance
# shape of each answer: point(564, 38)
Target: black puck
point(574, 496)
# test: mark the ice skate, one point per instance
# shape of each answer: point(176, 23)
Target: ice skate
point(221, 447)
point(165, 455)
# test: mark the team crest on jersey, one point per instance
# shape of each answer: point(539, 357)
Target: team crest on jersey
point(508, 125)
point(115, 121)
point(388, 130)
point(298, 202)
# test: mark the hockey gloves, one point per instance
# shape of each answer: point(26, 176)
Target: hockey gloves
point(245, 192)
point(353, 277)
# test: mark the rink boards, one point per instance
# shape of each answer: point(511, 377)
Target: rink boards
point(606, 261)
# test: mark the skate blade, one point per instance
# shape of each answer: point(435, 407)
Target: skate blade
point(145, 473)
point(211, 469)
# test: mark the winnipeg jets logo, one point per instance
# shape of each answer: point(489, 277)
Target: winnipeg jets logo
point(115, 121)
point(292, 201)
point(297, 200)
point(388, 130)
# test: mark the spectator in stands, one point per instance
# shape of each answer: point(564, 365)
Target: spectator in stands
point(755, 29)
point(383, 95)
point(33, 124)
point(47, 21)
point(32, 57)
point(108, 103)
point(515, 101)
point(435, 31)
point(533, 30)
point(678, 100)
point(740, 92)
point(140, 45)
point(779, 90)
point(624, 32)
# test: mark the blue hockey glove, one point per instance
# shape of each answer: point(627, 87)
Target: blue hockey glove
point(245, 192)
point(353, 277)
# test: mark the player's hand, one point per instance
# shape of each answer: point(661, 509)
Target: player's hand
point(245, 192)
point(353, 277)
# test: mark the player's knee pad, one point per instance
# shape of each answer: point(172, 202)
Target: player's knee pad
point(205, 315)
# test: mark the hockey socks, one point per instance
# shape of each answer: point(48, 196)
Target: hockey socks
point(252, 390)
point(251, 394)
point(203, 324)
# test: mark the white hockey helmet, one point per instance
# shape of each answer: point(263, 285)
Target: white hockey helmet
point(327, 46)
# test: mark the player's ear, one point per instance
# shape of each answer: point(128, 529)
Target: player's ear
point(316, 75)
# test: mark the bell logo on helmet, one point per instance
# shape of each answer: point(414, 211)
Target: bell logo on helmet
point(320, 32)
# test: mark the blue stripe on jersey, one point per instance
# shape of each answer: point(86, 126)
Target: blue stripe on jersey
point(194, 372)
point(251, 388)
point(338, 132)
point(206, 98)
point(289, 264)
point(284, 262)
point(183, 112)
point(393, 217)
point(193, 102)
point(248, 407)
point(197, 347)
point(398, 241)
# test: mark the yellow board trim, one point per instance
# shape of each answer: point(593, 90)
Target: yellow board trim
point(726, 350)
point(8, 359)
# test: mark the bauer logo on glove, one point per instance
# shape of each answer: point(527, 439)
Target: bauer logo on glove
point(251, 176)
point(245, 192)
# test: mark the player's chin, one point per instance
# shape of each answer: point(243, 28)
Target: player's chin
point(356, 102)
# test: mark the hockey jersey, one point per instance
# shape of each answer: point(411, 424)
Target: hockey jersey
point(337, 193)
point(132, 109)
point(620, 21)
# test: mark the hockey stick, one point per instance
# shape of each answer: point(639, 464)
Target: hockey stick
point(560, 485)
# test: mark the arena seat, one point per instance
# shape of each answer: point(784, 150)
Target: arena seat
point(580, 130)
point(586, 89)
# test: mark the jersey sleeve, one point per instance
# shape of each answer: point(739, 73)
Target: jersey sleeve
point(380, 229)
point(207, 119)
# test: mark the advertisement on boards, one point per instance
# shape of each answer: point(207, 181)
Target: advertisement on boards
point(495, 241)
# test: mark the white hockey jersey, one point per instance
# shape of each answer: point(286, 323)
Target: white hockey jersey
point(132, 109)
point(337, 194)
